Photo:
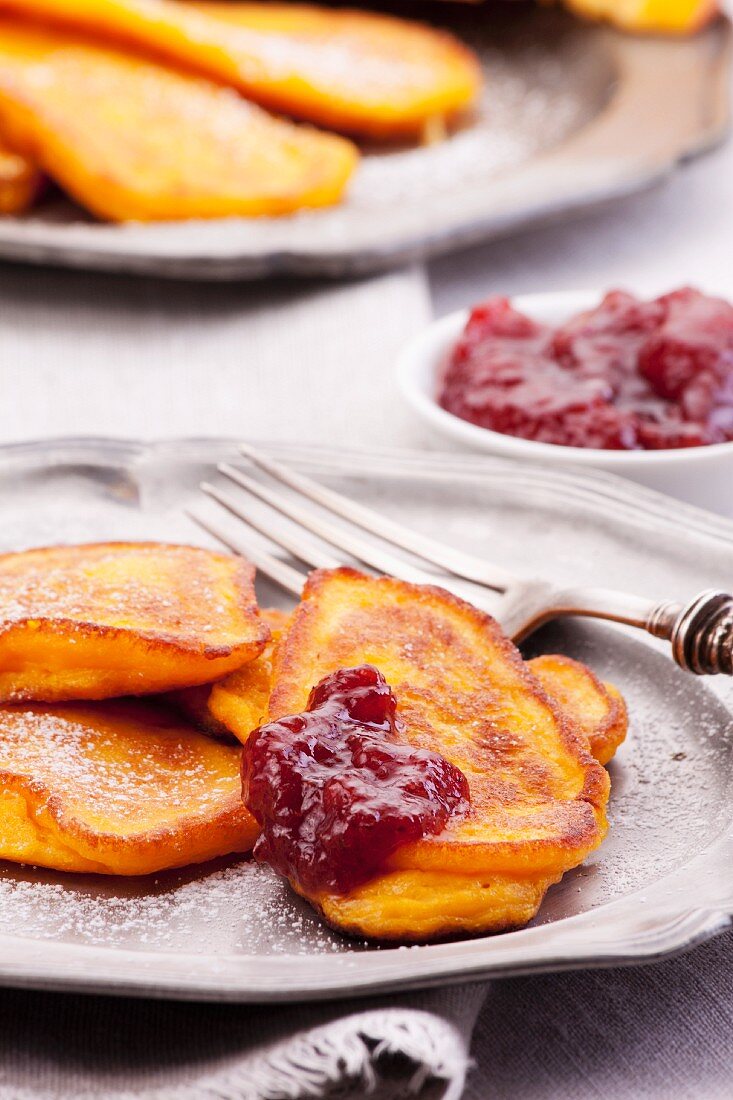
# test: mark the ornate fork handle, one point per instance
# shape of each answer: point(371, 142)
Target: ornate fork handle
point(700, 632)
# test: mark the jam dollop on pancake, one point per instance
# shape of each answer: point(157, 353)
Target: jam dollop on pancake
point(110, 619)
point(537, 797)
point(119, 787)
point(336, 792)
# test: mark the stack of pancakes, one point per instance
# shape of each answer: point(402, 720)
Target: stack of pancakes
point(97, 779)
point(152, 110)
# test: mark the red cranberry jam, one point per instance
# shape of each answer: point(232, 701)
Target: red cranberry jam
point(628, 375)
point(336, 793)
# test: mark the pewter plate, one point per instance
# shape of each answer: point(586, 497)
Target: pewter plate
point(572, 115)
point(232, 930)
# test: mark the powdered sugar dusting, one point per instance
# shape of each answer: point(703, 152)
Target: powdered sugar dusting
point(243, 908)
point(176, 591)
point(121, 766)
point(527, 105)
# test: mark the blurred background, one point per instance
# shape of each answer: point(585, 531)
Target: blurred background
point(536, 148)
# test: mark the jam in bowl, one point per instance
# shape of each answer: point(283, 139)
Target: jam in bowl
point(626, 375)
point(636, 386)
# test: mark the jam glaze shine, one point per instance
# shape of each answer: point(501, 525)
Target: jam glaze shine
point(628, 375)
point(336, 792)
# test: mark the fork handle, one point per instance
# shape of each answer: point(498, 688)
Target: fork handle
point(700, 632)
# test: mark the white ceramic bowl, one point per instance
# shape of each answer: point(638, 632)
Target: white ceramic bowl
point(700, 475)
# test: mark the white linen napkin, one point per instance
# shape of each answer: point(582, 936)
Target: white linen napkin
point(59, 1047)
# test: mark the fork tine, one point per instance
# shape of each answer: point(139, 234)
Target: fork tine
point(445, 557)
point(304, 550)
point(352, 544)
point(278, 571)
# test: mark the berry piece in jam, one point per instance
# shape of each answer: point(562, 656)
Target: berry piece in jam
point(627, 375)
point(694, 341)
point(605, 342)
point(334, 790)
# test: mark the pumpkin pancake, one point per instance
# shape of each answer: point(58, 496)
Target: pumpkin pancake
point(131, 140)
point(116, 788)
point(233, 707)
point(597, 708)
point(107, 619)
point(236, 705)
point(362, 72)
point(537, 797)
point(649, 16)
point(20, 181)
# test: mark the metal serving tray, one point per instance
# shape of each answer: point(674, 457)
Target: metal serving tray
point(572, 114)
point(232, 930)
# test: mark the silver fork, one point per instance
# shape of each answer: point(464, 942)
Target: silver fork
point(700, 632)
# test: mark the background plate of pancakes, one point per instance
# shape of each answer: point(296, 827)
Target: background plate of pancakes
point(231, 930)
point(569, 116)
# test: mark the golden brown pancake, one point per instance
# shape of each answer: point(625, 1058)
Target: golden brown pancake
point(236, 705)
point(20, 181)
point(538, 798)
point(107, 619)
point(362, 72)
point(116, 788)
point(131, 140)
point(597, 708)
point(677, 17)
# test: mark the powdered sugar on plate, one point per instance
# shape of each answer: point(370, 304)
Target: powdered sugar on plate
point(238, 908)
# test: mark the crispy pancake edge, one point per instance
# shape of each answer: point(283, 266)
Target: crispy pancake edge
point(211, 707)
point(139, 855)
point(462, 906)
point(611, 733)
